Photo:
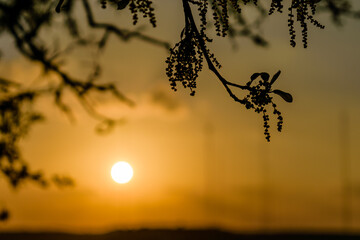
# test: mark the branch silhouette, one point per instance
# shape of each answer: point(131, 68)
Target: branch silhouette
point(123, 34)
point(24, 21)
point(185, 62)
point(16, 114)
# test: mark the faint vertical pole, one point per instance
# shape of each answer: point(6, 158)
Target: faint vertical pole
point(265, 198)
point(345, 171)
point(209, 165)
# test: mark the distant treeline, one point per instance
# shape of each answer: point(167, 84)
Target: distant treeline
point(177, 235)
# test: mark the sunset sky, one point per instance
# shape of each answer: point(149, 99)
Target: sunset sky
point(199, 161)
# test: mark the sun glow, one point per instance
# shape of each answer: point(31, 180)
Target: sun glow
point(122, 172)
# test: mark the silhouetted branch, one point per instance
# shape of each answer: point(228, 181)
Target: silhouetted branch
point(185, 63)
point(80, 89)
point(59, 5)
point(123, 34)
point(338, 9)
point(190, 20)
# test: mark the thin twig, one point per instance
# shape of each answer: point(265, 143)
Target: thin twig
point(124, 34)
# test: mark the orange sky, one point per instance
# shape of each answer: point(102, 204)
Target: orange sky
point(199, 161)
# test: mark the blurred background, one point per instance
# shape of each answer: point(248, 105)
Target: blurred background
point(199, 161)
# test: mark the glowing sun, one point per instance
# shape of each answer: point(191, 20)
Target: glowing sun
point(122, 172)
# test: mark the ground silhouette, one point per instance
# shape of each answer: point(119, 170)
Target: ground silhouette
point(162, 234)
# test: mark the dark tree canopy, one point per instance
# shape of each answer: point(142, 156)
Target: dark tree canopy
point(25, 21)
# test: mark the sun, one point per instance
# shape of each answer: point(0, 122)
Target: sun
point(122, 172)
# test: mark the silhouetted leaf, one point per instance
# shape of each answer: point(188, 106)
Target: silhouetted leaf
point(259, 41)
point(182, 33)
point(105, 126)
point(276, 75)
point(63, 181)
point(122, 4)
point(4, 215)
point(265, 76)
point(6, 82)
point(254, 76)
point(58, 6)
point(286, 96)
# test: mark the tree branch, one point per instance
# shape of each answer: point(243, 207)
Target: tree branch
point(226, 84)
point(29, 49)
point(123, 34)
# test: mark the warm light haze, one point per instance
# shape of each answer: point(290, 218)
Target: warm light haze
point(197, 161)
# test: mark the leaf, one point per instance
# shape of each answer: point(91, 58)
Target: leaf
point(254, 76)
point(4, 215)
point(265, 76)
point(62, 181)
point(122, 4)
point(286, 96)
point(7, 83)
point(105, 126)
point(276, 75)
point(58, 6)
point(182, 33)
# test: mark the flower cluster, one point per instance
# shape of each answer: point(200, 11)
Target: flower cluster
point(186, 60)
point(258, 99)
point(220, 13)
point(305, 11)
point(136, 6)
point(144, 7)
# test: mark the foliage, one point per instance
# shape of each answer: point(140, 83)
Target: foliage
point(25, 21)
point(4, 215)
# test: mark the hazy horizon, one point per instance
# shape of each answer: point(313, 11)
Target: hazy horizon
point(199, 161)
